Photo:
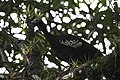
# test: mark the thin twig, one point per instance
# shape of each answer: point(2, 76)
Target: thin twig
point(4, 59)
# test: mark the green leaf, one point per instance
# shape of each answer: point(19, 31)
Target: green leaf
point(103, 2)
point(116, 7)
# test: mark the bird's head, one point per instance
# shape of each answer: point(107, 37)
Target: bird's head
point(39, 23)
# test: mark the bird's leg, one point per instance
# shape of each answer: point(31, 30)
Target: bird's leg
point(68, 72)
point(65, 72)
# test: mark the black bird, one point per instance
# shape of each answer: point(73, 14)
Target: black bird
point(68, 47)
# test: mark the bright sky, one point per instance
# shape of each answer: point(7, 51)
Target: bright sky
point(65, 19)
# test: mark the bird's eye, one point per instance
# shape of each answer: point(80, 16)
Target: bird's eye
point(36, 20)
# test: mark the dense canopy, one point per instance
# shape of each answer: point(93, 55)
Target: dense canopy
point(25, 54)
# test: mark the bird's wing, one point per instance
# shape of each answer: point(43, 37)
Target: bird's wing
point(70, 41)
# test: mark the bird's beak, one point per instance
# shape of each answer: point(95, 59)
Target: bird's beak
point(33, 21)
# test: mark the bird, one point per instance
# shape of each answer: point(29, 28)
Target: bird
point(68, 47)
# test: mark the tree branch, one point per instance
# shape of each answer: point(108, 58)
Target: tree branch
point(5, 59)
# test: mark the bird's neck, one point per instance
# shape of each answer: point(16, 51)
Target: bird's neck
point(46, 33)
point(48, 36)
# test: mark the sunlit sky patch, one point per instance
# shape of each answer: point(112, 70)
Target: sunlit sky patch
point(16, 30)
point(20, 36)
point(14, 17)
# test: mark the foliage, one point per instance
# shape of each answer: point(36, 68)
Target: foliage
point(96, 21)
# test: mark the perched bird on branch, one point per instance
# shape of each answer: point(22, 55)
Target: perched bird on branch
point(67, 47)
